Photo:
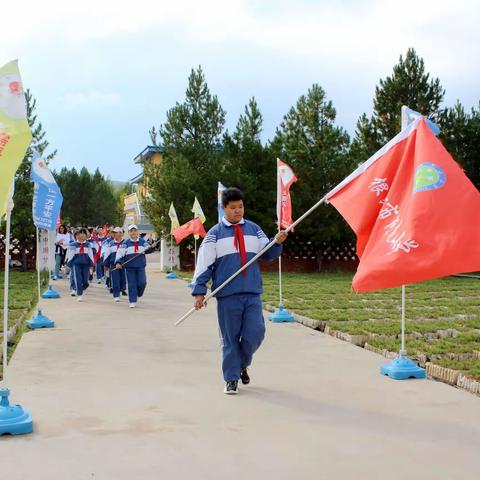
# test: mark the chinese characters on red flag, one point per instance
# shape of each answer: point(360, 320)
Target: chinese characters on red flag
point(415, 212)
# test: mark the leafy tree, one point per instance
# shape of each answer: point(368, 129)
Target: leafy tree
point(317, 150)
point(409, 85)
point(191, 156)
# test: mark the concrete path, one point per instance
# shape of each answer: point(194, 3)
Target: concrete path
point(123, 394)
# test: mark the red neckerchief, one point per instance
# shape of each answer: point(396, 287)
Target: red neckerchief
point(135, 247)
point(239, 242)
point(82, 247)
point(117, 244)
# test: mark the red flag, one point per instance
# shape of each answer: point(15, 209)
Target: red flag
point(415, 213)
point(193, 227)
point(285, 179)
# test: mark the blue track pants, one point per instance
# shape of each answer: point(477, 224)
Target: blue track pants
point(136, 283)
point(119, 282)
point(81, 273)
point(242, 329)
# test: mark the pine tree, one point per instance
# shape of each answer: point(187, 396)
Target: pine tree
point(460, 133)
point(408, 85)
point(317, 150)
point(249, 166)
point(23, 228)
point(191, 141)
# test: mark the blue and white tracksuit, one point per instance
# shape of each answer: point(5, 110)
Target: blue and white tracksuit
point(99, 243)
point(239, 306)
point(117, 276)
point(80, 264)
point(135, 268)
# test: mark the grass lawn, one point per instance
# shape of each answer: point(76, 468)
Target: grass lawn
point(23, 296)
point(442, 316)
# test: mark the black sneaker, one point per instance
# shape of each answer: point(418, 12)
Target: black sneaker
point(244, 376)
point(231, 388)
point(124, 293)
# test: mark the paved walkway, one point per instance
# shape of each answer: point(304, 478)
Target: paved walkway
point(123, 394)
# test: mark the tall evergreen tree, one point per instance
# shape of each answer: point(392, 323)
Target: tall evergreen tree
point(460, 133)
point(88, 199)
point(23, 228)
point(317, 150)
point(191, 156)
point(409, 85)
point(248, 165)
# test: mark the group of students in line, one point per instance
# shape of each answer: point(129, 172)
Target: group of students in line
point(117, 261)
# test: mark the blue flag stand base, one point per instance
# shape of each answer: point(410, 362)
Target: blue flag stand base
point(50, 293)
point(402, 368)
point(40, 321)
point(14, 419)
point(281, 314)
point(171, 275)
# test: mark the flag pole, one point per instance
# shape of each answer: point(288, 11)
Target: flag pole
point(281, 314)
point(256, 257)
point(8, 215)
point(403, 367)
point(171, 274)
point(38, 265)
point(51, 292)
point(403, 352)
point(39, 320)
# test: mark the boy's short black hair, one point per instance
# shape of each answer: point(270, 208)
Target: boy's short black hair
point(83, 230)
point(231, 194)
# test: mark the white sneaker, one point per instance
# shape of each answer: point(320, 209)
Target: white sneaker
point(73, 293)
point(116, 299)
point(133, 305)
point(80, 298)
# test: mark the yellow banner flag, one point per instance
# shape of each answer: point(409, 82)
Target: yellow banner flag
point(198, 212)
point(173, 217)
point(15, 134)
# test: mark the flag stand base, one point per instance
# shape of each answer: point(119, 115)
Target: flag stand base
point(50, 293)
point(40, 321)
point(281, 314)
point(14, 419)
point(402, 368)
point(171, 275)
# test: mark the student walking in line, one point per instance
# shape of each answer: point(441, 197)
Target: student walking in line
point(99, 239)
point(61, 244)
point(116, 275)
point(131, 256)
point(227, 247)
point(80, 259)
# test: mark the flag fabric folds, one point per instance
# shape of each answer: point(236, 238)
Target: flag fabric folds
point(173, 218)
point(285, 179)
point(47, 197)
point(15, 135)
point(415, 212)
point(220, 189)
point(193, 227)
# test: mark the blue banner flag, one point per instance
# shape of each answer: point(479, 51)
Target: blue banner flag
point(412, 115)
point(47, 197)
point(221, 188)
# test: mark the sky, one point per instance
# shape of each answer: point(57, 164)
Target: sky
point(103, 72)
